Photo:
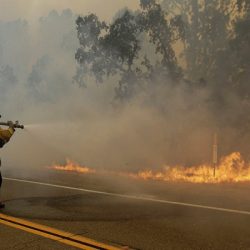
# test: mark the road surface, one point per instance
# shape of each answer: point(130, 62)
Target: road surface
point(123, 213)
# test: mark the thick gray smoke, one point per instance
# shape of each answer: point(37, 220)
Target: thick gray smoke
point(37, 65)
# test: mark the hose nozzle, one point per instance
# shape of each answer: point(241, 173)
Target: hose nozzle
point(17, 125)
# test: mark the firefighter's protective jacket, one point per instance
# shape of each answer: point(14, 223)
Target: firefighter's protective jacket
point(5, 134)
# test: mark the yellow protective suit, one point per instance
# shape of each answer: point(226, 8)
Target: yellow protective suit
point(5, 134)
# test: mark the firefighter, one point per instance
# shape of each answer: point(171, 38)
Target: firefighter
point(5, 135)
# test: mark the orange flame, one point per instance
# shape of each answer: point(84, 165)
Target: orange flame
point(73, 167)
point(232, 168)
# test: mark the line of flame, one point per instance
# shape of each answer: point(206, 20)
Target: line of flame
point(232, 168)
point(72, 166)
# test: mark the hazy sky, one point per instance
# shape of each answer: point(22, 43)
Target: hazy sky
point(33, 9)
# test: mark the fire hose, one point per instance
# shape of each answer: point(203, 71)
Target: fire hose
point(12, 124)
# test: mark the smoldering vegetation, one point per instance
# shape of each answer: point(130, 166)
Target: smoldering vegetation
point(148, 89)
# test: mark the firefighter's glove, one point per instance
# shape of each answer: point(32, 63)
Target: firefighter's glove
point(11, 124)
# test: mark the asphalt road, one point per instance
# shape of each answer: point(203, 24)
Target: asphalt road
point(127, 212)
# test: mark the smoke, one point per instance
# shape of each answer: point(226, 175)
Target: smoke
point(168, 124)
point(82, 124)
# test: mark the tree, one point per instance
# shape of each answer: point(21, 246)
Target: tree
point(240, 45)
point(207, 28)
point(118, 49)
point(8, 80)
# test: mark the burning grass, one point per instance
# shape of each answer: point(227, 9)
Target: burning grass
point(72, 166)
point(231, 168)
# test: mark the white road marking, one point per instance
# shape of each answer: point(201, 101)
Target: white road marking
point(228, 210)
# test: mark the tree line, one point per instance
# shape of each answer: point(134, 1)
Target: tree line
point(197, 43)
